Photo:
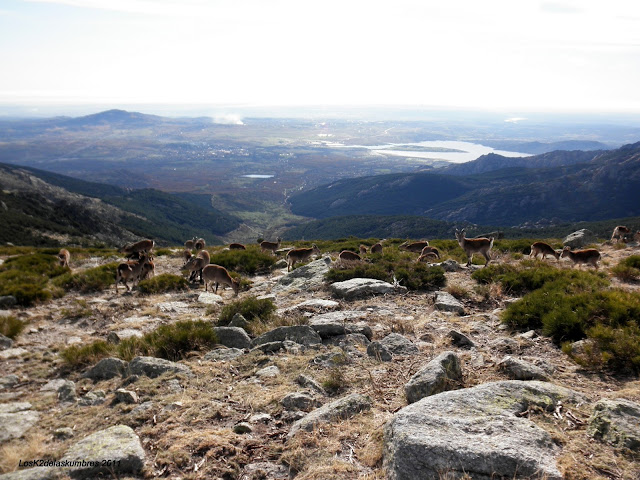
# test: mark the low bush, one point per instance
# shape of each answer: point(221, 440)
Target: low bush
point(250, 308)
point(165, 282)
point(627, 270)
point(11, 326)
point(35, 264)
point(248, 262)
point(391, 265)
point(78, 356)
point(91, 280)
point(26, 277)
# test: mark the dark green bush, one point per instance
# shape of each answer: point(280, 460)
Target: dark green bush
point(35, 264)
point(81, 356)
point(26, 277)
point(91, 280)
point(166, 282)
point(248, 262)
point(11, 326)
point(628, 270)
point(632, 261)
point(250, 308)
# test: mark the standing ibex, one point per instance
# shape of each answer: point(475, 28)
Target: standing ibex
point(64, 256)
point(543, 248)
point(363, 250)
point(199, 244)
point(196, 264)
point(415, 247)
point(474, 245)
point(188, 245)
point(270, 246)
point(620, 233)
point(300, 255)
point(428, 252)
point(590, 256)
point(237, 246)
point(219, 276)
point(349, 256)
point(131, 271)
point(377, 248)
point(135, 249)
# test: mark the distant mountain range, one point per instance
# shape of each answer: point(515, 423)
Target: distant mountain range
point(43, 208)
point(554, 187)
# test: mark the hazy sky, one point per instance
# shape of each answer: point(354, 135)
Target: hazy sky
point(503, 54)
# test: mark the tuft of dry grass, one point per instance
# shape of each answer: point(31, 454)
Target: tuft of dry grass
point(34, 446)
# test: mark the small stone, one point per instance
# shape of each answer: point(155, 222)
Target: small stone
point(299, 401)
point(446, 302)
point(223, 354)
point(90, 399)
point(242, 427)
point(268, 372)
point(460, 340)
point(521, 370)
point(63, 433)
point(379, 352)
point(12, 353)
point(8, 381)
point(308, 382)
point(113, 338)
point(616, 421)
point(126, 396)
point(5, 342)
point(67, 392)
point(106, 368)
point(239, 321)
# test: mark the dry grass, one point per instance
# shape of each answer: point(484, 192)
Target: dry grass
point(26, 449)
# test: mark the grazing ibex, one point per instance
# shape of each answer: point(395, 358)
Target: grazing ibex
point(186, 255)
point(425, 257)
point(363, 250)
point(590, 256)
point(432, 251)
point(199, 244)
point(148, 271)
point(135, 249)
point(131, 271)
point(188, 245)
point(64, 256)
point(270, 246)
point(620, 233)
point(474, 245)
point(237, 246)
point(300, 255)
point(543, 248)
point(196, 264)
point(219, 276)
point(349, 256)
point(415, 247)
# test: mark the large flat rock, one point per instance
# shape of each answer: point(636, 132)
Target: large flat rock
point(475, 431)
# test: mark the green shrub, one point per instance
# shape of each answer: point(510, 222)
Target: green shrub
point(11, 326)
point(26, 277)
point(81, 356)
point(35, 264)
point(633, 261)
point(250, 308)
point(166, 282)
point(91, 280)
point(171, 342)
point(392, 264)
point(248, 262)
point(627, 270)
point(164, 252)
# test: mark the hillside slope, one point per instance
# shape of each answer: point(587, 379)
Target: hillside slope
point(605, 187)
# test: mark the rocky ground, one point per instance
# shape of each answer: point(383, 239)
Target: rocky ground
point(325, 398)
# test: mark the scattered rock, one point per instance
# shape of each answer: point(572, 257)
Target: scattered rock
point(142, 409)
point(5, 342)
point(239, 321)
point(521, 370)
point(313, 305)
point(113, 338)
point(449, 266)
point(437, 376)
point(347, 342)
point(446, 302)
point(362, 287)
point(7, 301)
point(90, 399)
point(505, 345)
point(308, 382)
point(242, 427)
point(209, 298)
point(266, 372)
point(15, 419)
point(302, 334)
point(399, 345)
point(12, 353)
point(111, 452)
point(53, 385)
point(579, 239)
point(154, 367)
point(232, 337)
point(260, 418)
point(107, 368)
point(331, 359)
point(379, 352)
point(460, 340)
point(8, 381)
point(343, 408)
point(63, 433)
point(37, 473)
point(475, 431)
point(335, 323)
point(616, 421)
point(126, 396)
point(307, 277)
point(223, 354)
point(67, 392)
point(265, 470)
point(299, 401)
point(271, 347)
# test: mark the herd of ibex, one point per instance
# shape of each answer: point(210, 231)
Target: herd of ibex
point(139, 264)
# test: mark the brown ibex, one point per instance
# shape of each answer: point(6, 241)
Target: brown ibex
point(215, 274)
point(589, 256)
point(131, 271)
point(415, 247)
point(188, 245)
point(377, 248)
point(300, 255)
point(543, 248)
point(363, 250)
point(270, 246)
point(237, 246)
point(474, 245)
point(135, 249)
point(199, 244)
point(620, 233)
point(428, 252)
point(349, 256)
point(64, 256)
point(196, 264)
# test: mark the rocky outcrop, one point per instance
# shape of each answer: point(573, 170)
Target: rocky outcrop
point(154, 367)
point(579, 239)
point(521, 370)
point(307, 277)
point(232, 337)
point(302, 334)
point(15, 419)
point(437, 376)
point(363, 287)
point(111, 452)
point(107, 368)
point(616, 421)
point(345, 407)
point(477, 432)
point(446, 302)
